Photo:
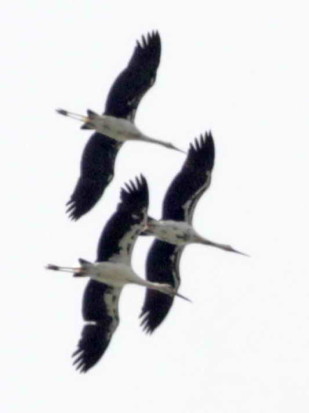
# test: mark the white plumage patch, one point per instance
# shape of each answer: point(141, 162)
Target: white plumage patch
point(115, 274)
point(111, 300)
point(173, 232)
point(189, 206)
point(126, 245)
point(116, 128)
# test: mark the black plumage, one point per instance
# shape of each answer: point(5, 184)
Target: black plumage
point(100, 301)
point(162, 266)
point(98, 159)
point(179, 203)
point(191, 182)
point(100, 312)
point(122, 229)
point(97, 170)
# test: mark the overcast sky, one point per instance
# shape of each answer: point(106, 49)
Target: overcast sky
point(239, 68)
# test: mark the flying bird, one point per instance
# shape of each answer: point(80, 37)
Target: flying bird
point(98, 158)
point(110, 273)
point(175, 230)
point(119, 129)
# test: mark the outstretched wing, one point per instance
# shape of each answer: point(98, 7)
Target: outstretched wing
point(100, 302)
point(121, 231)
point(162, 266)
point(97, 170)
point(98, 160)
point(134, 81)
point(191, 182)
point(100, 311)
point(179, 203)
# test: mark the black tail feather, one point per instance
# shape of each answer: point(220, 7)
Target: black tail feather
point(87, 125)
point(91, 114)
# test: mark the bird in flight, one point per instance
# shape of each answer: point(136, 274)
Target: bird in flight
point(175, 230)
point(110, 273)
point(98, 158)
point(119, 129)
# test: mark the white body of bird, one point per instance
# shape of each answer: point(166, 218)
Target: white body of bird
point(110, 273)
point(116, 128)
point(115, 275)
point(173, 232)
point(181, 233)
point(119, 129)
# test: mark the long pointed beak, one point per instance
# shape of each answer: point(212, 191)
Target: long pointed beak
point(183, 297)
point(231, 249)
point(171, 146)
point(222, 246)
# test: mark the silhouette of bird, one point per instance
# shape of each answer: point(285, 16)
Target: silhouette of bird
point(98, 158)
point(110, 273)
point(175, 230)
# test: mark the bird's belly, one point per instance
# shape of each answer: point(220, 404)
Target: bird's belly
point(109, 280)
point(122, 136)
point(119, 129)
point(115, 275)
point(172, 237)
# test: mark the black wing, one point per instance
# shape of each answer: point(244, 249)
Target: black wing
point(100, 302)
point(97, 166)
point(162, 266)
point(179, 203)
point(100, 311)
point(134, 81)
point(191, 182)
point(122, 229)
point(97, 170)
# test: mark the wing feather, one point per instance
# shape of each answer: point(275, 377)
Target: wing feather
point(136, 79)
point(100, 301)
point(97, 170)
point(179, 204)
point(100, 311)
point(162, 266)
point(191, 182)
point(98, 159)
point(121, 231)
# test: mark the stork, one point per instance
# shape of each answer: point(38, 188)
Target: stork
point(98, 158)
point(110, 273)
point(175, 230)
point(121, 130)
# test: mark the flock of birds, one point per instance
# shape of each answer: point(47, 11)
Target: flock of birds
point(112, 269)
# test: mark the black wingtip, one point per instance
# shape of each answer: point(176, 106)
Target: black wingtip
point(72, 210)
point(147, 329)
point(148, 46)
point(149, 322)
point(156, 305)
point(202, 150)
point(135, 189)
point(152, 36)
point(90, 348)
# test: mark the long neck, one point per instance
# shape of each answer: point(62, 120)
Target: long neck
point(159, 142)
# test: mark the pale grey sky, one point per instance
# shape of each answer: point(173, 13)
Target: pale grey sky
point(238, 68)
